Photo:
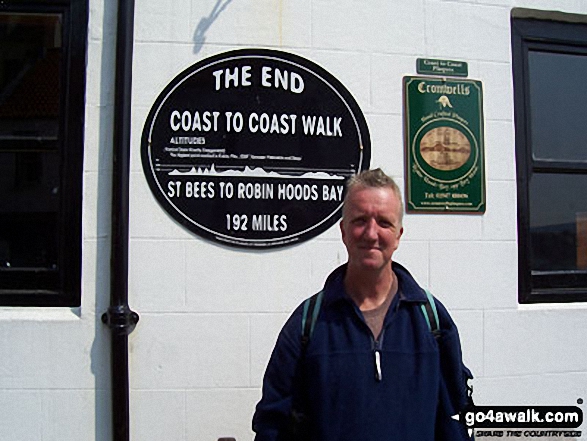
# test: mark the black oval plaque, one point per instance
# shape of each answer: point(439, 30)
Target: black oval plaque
point(252, 148)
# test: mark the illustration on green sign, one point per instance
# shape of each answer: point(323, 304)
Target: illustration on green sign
point(445, 170)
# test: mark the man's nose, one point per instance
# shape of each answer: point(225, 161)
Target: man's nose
point(371, 229)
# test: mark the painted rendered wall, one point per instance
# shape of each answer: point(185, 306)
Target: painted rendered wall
point(210, 314)
point(55, 362)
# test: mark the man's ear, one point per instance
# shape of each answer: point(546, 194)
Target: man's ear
point(341, 225)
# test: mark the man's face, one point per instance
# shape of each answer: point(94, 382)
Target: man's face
point(371, 227)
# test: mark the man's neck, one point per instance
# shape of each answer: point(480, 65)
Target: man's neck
point(369, 289)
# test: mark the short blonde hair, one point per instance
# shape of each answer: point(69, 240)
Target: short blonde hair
point(375, 178)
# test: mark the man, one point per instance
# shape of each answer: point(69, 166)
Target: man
point(372, 369)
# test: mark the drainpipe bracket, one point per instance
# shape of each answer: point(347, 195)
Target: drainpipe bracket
point(120, 319)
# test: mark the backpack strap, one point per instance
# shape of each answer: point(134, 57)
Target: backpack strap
point(311, 310)
point(310, 315)
point(297, 424)
point(431, 314)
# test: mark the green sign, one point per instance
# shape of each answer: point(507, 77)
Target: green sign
point(430, 66)
point(445, 165)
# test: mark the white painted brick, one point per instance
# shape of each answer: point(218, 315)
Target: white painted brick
point(150, 78)
point(349, 33)
point(20, 416)
point(414, 256)
point(351, 69)
point(264, 331)
point(473, 275)
point(541, 389)
point(163, 21)
point(96, 20)
point(506, 3)
point(387, 145)
point(383, 26)
point(97, 198)
point(79, 410)
point(498, 100)
point(387, 72)
point(91, 147)
point(325, 257)
point(500, 150)
point(500, 220)
point(547, 5)
point(51, 354)
point(102, 22)
point(264, 281)
point(473, 69)
point(77, 354)
point(149, 82)
point(190, 350)
point(147, 218)
point(535, 341)
point(470, 326)
point(248, 22)
point(220, 413)
point(157, 415)
point(95, 276)
point(98, 139)
point(443, 226)
point(155, 65)
point(295, 23)
point(157, 275)
point(464, 31)
point(138, 121)
point(100, 75)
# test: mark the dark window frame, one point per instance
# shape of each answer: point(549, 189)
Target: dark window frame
point(61, 287)
point(549, 32)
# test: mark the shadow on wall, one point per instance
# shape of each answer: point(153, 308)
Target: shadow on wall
point(100, 351)
point(206, 22)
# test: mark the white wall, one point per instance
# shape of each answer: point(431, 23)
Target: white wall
point(55, 362)
point(210, 314)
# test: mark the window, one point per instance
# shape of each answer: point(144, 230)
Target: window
point(549, 51)
point(42, 87)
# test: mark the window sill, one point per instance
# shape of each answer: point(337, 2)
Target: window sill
point(39, 314)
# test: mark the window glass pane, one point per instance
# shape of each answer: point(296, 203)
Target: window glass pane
point(29, 203)
point(30, 62)
point(30, 59)
point(558, 216)
point(558, 93)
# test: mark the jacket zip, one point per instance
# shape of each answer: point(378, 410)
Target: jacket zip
point(377, 345)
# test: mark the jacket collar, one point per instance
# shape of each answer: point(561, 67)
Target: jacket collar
point(409, 290)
